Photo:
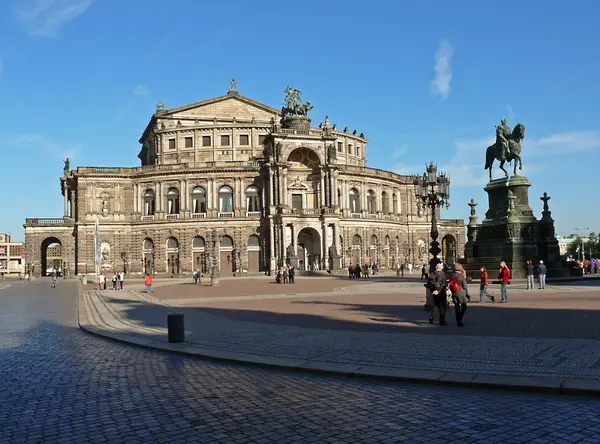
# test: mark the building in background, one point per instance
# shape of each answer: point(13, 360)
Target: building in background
point(234, 182)
point(12, 256)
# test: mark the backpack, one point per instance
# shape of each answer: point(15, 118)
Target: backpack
point(454, 285)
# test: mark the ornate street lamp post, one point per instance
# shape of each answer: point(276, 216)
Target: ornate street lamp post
point(432, 191)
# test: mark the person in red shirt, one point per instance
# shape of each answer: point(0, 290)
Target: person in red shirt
point(483, 283)
point(148, 283)
point(504, 277)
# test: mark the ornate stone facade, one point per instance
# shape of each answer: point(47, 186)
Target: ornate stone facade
point(230, 172)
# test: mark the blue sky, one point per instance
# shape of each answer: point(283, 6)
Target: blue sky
point(81, 78)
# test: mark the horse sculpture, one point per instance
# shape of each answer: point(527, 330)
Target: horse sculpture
point(495, 151)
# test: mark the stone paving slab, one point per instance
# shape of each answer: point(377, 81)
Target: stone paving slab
point(558, 365)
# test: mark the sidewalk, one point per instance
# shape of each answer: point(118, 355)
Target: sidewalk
point(566, 366)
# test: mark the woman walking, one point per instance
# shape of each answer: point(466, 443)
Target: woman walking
point(483, 284)
point(504, 277)
point(437, 286)
point(460, 293)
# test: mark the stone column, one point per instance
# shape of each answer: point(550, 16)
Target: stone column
point(135, 198)
point(66, 199)
point(322, 197)
point(73, 203)
point(272, 262)
point(182, 195)
point(242, 204)
point(284, 189)
point(325, 250)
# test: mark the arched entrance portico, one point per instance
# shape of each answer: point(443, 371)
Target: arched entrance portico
point(51, 255)
point(309, 249)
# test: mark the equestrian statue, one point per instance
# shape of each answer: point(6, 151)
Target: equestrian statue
point(506, 148)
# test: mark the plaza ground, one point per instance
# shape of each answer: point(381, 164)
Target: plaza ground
point(61, 384)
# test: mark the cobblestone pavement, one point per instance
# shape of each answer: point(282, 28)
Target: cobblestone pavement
point(404, 345)
point(62, 385)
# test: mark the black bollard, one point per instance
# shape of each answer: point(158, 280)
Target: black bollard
point(175, 327)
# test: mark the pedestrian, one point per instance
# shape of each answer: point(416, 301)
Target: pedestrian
point(292, 276)
point(195, 276)
point(483, 284)
point(424, 272)
point(402, 270)
point(542, 270)
point(410, 267)
point(54, 277)
point(529, 272)
point(115, 278)
point(504, 277)
point(103, 280)
point(148, 283)
point(460, 293)
point(437, 285)
point(121, 279)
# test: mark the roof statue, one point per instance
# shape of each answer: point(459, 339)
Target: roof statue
point(293, 106)
point(232, 87)
point(161, 105)
point(506, 148)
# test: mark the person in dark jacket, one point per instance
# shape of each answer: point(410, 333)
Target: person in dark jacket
point(529, 272)
point(461, 296)
point(437, 285)
point(542, 270)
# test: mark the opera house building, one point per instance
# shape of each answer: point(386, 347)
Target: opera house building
point(238, 185)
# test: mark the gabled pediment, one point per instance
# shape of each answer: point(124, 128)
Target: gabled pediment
point(227, 107)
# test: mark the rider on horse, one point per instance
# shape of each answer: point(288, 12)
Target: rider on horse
point(502, 134)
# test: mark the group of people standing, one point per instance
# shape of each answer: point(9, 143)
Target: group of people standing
point(455, 290)
point(286, 274)
point(117, 281)
point(364, 271)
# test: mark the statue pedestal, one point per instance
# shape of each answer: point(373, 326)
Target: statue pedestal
point(511, 233)
point(296, 122)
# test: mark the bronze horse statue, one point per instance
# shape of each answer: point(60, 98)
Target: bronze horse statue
point(495, 151)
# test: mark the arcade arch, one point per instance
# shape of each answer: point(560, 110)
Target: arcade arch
point(309, 250)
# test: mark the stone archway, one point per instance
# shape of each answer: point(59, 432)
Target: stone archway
point(309, 249)
point(303, 192)
point(51, 255)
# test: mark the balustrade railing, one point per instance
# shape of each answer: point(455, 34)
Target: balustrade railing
point(148, 217)
point(45, 221)
point(198, 215)
point(253, 213)
point(225, 215)
point(172, 216)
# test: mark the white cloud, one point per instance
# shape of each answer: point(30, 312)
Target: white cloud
point(44, 18)
point(38, 144)
point(510, 113)
point(443, 69)
point(141, 91)
point(561, 144)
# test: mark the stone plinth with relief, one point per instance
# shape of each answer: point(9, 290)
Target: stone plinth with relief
point(510, 232)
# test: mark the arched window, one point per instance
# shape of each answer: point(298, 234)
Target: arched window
point(147, 244)
point(173, 201)
point(394, 203)
point(373, 241)
point(385, 203)
point(225, 199)
point(226, 242)
point(371, 206)
point(252, 199)
point(198, 200)
point(149, 203)
point(356, 240)
point(198, 243)
point(354, 200)
point(172, 243)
